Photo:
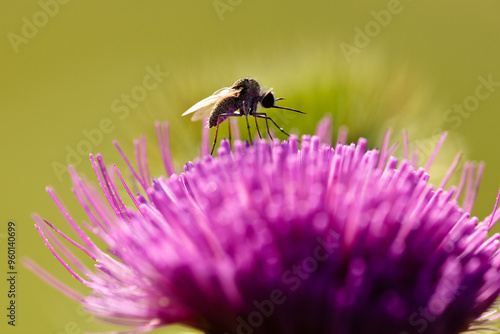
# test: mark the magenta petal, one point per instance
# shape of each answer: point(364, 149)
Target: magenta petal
point(286, 238)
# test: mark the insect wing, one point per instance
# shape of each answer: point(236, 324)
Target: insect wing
point(203, 108)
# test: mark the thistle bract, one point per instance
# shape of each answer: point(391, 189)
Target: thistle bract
point(283, 237)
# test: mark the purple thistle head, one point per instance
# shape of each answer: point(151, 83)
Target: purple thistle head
point(283, 238)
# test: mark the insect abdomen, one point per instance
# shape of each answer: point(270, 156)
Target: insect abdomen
point(225, 106)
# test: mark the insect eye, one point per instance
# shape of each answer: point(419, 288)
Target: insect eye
point(267, 100)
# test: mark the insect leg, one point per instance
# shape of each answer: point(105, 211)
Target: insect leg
point(252, 112)
point(217, 128)
point(264, 115)
point(267, 126)
point(248, 125)
point(215, 138)
point(229, 132)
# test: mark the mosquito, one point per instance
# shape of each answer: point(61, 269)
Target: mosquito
point(241, 99)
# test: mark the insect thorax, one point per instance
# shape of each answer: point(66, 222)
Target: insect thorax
point(247, 84)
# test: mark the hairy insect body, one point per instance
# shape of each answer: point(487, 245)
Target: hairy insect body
point(241, 99)
point(246, 97)
point(222, 110)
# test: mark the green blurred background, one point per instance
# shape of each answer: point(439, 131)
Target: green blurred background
point(67, 68)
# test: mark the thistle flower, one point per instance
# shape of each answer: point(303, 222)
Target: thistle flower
point(285, 238)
